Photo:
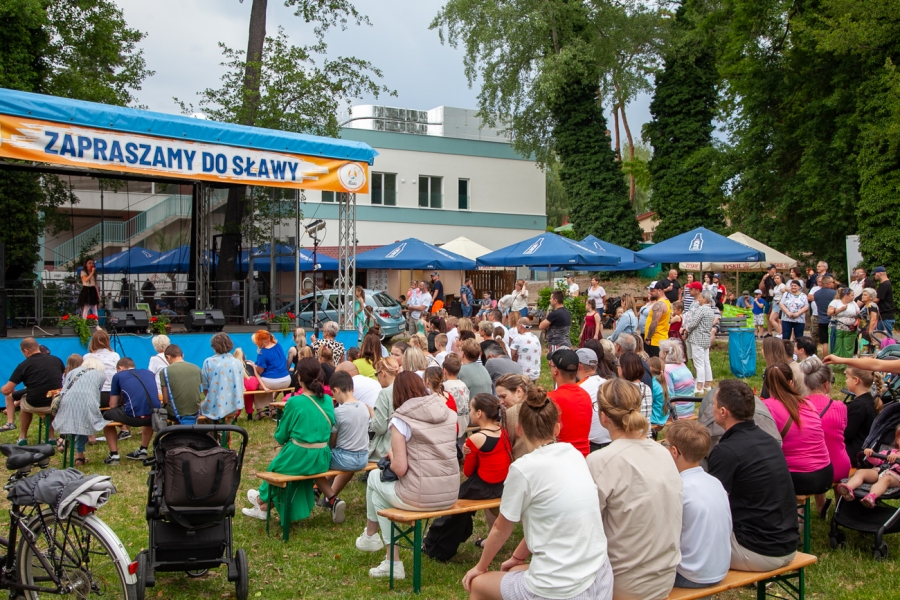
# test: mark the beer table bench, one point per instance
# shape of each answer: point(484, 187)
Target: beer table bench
point(790, 578)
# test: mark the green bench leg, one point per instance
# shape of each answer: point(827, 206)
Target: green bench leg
point(398, 535)
point(792, 583)
point(807, 544)
point(69, 452)
point(44, 429)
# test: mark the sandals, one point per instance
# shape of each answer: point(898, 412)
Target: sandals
point(61, 445)
point(80, 462)
point(479, 542)
point(869, 501)
point(845, 492)
point(8, 427)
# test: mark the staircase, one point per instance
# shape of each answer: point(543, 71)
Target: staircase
point(135, 229)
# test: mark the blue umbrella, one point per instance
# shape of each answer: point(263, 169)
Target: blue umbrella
point(177, 260)
point(284, 259)
point(628, 261)
point(699, 245)
point(413, 254)
point(548, 250)
point(126, 261)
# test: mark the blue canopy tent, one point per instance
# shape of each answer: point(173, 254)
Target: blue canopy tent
point(699, 245)
point(126, 261)
point(626, 256)
point(284, 259)
point(413, 254)
point(546, 251)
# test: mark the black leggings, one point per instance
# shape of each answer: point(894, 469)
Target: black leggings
point(815, 482)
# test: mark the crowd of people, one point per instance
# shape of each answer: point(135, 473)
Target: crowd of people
point(611, 452)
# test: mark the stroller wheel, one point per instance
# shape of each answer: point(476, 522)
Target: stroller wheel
point(881, 552)
point(141, 587)
point(197, 573)
point(242, 585)
point(838, 539)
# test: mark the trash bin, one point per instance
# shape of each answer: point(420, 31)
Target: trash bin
point(742, 352)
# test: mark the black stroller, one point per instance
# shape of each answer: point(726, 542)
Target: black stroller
point(609, 314)
point(883, 518)
point(190, 504)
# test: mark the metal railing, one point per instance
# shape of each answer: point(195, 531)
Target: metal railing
point(430, 200)
point(120, 232)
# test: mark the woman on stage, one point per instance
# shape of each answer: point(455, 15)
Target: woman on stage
point(89, 297)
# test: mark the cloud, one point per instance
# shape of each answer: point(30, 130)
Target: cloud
point(182, 47)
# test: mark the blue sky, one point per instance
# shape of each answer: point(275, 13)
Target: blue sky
point(183, 35)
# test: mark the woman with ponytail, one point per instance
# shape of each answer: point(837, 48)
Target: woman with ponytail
point(550, 491)
point(488, 454)
point(512, 389)
point(802, 435)
point(303, 434)
point(640, 492)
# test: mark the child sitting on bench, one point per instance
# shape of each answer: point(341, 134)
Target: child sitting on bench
point(350, 434)
point(882, 476)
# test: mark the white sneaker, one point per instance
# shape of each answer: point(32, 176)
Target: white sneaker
point(253, 497)
point(369, 543)
point(256, 512)
point(384, 570)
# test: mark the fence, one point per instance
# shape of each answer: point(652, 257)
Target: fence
point(498, 282)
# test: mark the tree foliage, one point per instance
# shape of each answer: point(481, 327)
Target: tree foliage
point(540, 63)
point(683, 108)
point(80, 49)
point(294, 93)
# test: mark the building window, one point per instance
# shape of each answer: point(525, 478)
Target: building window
point(463, 194)
point(429, 192)
point(327, 196)
point(384, 189)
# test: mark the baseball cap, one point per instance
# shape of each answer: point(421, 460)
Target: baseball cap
point(435, 274)
point(745, 293)
point(757, 292)
point(771, 266)
point(879, 270)
point(586, 356)
point(694, 285)
point(717, 275)
point(652, 285)
point(565, 360)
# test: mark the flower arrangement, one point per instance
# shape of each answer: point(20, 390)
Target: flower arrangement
point(286, 320)
point(81, 326)
point(159, 324)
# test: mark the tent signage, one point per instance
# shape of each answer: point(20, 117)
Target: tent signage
point(87, 147)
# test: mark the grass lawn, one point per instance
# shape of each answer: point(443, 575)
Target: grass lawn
point(321, 561)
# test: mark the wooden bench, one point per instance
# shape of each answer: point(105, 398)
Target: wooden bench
point(289, 484)
point(413, 519)
point(274, 392)
point(791, 578)
point(68, 455)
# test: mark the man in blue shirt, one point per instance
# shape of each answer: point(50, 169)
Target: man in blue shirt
point(132, 397)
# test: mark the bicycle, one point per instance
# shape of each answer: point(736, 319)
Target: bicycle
point(78, 557)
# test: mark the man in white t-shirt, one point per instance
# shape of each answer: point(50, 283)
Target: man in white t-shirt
point(591, 382)
point(365, 389)
point(573, 287)
point(496, 319)
point(526, 349)
point(452, 332)
point(706, 514)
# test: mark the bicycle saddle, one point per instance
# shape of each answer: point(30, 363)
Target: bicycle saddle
point(22, 456)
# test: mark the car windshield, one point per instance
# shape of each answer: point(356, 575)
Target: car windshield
point(383, 299)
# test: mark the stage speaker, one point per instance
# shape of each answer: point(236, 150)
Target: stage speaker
point(130, 321)
point(204, 320)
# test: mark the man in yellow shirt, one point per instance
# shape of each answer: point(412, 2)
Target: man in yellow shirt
point(657, 328)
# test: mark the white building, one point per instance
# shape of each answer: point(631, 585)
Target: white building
point(438, 176)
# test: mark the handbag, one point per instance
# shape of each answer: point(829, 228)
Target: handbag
point(386, 474)
point(54, 404)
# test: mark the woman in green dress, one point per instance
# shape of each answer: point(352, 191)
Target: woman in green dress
point(844, 315)
point(303, 432)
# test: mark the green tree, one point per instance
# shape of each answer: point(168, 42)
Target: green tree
point(77, 49)
point(557, 200)
point(540, 64)
point(792, 110)
point(277, 85)
point(680, 132)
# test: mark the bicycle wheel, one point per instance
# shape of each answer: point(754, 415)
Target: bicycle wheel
point(81, 552)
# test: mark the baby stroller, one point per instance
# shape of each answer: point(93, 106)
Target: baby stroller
point(883, 518)
point(192, 485)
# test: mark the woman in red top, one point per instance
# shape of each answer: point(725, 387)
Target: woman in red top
point(488, 454)
point(592, 327)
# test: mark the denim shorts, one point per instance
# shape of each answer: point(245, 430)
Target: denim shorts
point(344, 460)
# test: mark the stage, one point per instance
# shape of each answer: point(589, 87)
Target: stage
point(196, 346)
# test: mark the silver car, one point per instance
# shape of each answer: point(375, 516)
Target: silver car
point(385, 309)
